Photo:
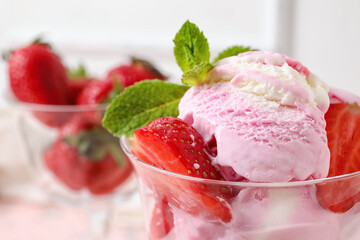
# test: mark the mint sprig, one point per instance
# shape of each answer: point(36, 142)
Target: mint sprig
point(232, 51)
point(191, 47)
point(193, 55)
point(197, 74)
point(140, 104)
point(151, 99)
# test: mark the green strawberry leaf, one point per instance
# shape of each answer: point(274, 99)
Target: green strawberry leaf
point(117, 153)
point(5, 55)
point(232, 51)
point(78, 72)
point(118, 88)
point(140, 104)
point(191, 47)
point(95, 144)
point(148, 66)
point(197, 74)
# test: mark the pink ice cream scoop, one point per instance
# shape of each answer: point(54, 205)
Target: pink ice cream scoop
point(266, 113)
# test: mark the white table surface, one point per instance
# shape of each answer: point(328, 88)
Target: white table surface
point(27, 213)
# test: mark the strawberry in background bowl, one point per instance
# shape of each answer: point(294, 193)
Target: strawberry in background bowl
point(60, 112)
point(91, 158)
point(37, 75)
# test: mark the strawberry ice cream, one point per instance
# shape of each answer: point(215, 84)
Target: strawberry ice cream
point(271, 214)
point(266, 113)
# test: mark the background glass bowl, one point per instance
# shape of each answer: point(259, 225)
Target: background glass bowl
point(41, 126)
point(182, 207)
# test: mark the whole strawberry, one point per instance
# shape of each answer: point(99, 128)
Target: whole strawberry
point(137, 71)
point(95, 93)
point(78, 79)
point(37, 75)
point(100, 92)
point(86, 156)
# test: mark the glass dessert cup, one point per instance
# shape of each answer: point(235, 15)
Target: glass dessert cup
point(54, 139)
point(182, 207)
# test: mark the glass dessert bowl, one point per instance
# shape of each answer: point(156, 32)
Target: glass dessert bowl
point(70, 154)
point(60, 109)
point(184, 207)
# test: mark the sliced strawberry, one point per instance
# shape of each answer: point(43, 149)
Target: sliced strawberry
point(171, 144)
point(162, 220)
point(339, 195)
point(185, 148)
point(343, 133)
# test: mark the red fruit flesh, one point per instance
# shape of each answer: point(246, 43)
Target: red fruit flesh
point(137, 71)
point(343, 133)
point(52, 118)
point(95, 93)
point(76, 86)
point(99, 92)
point(184, 148)
point(38, 76)
point(106, 175)
point(339, 196)
point(171, 144)
point(64, 161)
point(75, 125)
point(162, 220)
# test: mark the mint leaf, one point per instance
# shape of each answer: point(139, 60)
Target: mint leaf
point(191, 47)
point(197, 74)
point(140, 104)
point(232, 51)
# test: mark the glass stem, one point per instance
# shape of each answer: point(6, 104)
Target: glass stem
point(99, 217)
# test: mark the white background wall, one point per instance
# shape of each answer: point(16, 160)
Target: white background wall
point(327, 39)
point(323, 34)
point(101, 33)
